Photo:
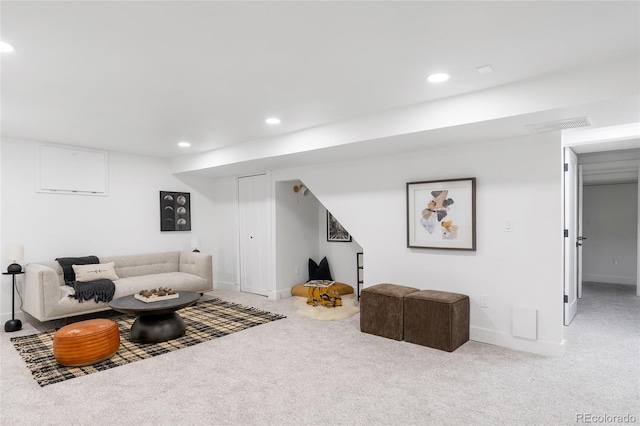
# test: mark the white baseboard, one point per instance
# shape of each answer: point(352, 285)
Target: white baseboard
point(280, 294)
point(540, 347)
point(222, 285)
point(6, 317)
point(610, 279)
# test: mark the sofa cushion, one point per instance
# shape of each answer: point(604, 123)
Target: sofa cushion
point(100, 271)
point(175, 280)
point(144, 264)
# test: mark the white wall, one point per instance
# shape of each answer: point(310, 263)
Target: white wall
point(517, 180)
point(610, 214)
point(296, 236)
point(224, 244)
point(340, 255)
point(125, 222)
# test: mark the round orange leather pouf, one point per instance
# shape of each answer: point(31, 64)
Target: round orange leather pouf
point(86, 342)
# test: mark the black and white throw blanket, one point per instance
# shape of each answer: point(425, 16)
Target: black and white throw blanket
point(66, 263)
point(99, 290)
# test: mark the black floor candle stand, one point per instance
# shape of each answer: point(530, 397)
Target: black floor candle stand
point(13, 324)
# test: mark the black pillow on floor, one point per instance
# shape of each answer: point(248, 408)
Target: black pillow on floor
point(319, 272)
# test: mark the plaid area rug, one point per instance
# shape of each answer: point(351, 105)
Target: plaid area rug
point(206, 320)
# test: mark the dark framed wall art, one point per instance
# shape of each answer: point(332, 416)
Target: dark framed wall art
point(175, 211)
point(335, 231)
point(442, 214)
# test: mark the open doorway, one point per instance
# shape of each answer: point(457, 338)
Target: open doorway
point(607, 155)
point(301, 233)
point(610, 223)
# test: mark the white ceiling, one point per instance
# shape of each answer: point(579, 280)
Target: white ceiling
point(611, 167)
point(140, 76)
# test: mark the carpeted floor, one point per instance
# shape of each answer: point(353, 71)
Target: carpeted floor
point(268, 375)
point(204, 321)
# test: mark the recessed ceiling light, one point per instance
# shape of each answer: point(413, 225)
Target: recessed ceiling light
point(438, 78)
point(6, 47)
point(485, 69)
point(184, 144)
point(272, 120)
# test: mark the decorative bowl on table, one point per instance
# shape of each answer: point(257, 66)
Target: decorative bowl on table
point(156, 295)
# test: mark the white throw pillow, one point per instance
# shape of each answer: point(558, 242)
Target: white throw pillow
point(101, 271)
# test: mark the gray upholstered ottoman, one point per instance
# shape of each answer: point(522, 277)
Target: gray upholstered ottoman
point(382, 310)
point(436, 319)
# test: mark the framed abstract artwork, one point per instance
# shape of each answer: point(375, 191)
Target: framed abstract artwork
point(442, 214)
point(175, 211)
point(335, 231)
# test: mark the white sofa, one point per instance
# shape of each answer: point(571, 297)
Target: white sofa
point(46, 297)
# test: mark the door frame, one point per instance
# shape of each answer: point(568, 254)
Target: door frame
point(270, 264)
point(606, 139)
point(570, 221)
point(580, 227)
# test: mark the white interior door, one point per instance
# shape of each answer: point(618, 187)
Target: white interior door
point(254, 222)
point(570, 185)
point(581, 237)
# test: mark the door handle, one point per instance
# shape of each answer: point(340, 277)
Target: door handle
point(581, 238)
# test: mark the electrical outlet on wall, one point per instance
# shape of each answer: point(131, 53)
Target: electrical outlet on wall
point(484, 301)
point(297, 270)
point(616, 262)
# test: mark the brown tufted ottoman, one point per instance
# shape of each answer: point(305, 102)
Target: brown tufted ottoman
point(86, 342)
point(381, 310)
point(436, 319)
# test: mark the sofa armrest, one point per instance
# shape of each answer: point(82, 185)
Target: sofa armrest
point(199, 264)
point(41, 287)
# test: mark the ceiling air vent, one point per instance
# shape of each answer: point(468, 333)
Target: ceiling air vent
point(552, 126)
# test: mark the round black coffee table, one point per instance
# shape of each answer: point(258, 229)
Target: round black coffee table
point(157, 321)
